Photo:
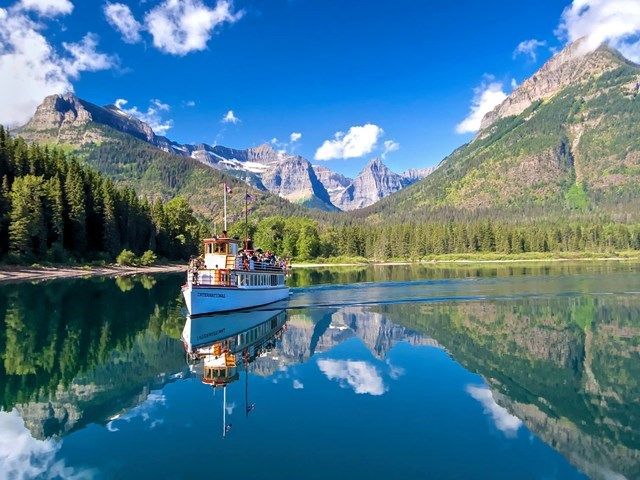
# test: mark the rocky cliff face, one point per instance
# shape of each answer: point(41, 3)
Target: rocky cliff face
point(335, 183)
point(571, 66)
point(69, 119)
point(293, 178)
point(373, 183)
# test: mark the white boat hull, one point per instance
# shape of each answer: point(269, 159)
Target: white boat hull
point(204, 299)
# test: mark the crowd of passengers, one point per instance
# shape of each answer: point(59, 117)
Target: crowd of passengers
point(258, 260)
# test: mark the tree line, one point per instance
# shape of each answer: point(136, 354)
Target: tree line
point(304, 238)
point(54, 208)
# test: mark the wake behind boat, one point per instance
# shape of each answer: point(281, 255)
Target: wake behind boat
point(230, 278)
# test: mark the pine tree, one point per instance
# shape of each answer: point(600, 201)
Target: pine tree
point(55, 211)
point(27, 231)
point(111, 236)
point(76, 231)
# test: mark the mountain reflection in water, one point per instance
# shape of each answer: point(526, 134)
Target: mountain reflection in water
point(94, 359)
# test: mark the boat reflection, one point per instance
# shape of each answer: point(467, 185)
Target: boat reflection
point(217, 346)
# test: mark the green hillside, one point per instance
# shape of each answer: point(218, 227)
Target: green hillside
point(575, 152)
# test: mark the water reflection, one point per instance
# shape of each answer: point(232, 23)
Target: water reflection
point(218, 346)
point(109, 363)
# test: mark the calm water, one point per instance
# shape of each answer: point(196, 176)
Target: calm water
point(381, 372)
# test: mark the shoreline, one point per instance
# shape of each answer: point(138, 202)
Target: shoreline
point(37, 273)
point(28, 273)
point(471, 261)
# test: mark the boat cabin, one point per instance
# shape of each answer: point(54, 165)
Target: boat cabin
point(220, 252)
point(221, 370)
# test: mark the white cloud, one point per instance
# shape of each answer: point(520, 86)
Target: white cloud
point(48, 8)
point(486, 97)
point(84, 57)
point(190, 103)
point(529, 48)
point(182, 26)
point(297, 384)
point(23, 457)
point(31, 69)
point(153, 116)
point(230, 117)
point(360, 376)
point(502, 419)
point(120, 17)
point(389, 146)
point(145, 411)
point(358, 141)
point(514, 84)
point(616, 22)
point(395, 372)
point(295, 136)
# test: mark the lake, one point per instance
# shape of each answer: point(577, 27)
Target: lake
point(501, 372)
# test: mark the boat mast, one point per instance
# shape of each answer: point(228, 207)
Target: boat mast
point(224, 411)
point(246, 221)
point(225, 206)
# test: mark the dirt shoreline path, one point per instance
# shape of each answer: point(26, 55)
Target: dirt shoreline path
point(19, 274)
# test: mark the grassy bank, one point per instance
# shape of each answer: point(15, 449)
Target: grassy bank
point(626, 255)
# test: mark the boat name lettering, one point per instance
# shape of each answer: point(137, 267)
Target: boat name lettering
point(211, 334)
point(214, 295)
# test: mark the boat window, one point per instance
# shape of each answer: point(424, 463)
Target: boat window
point(221, 248)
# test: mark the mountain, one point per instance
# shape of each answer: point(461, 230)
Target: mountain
point(80, 125)
point(373, 183)
point(127, 150)
point(565, 141)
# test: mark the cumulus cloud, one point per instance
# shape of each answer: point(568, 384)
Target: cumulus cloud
point(485, 98)
point(502, 419)
point(529, 48)
point(230, 117)
point(358, 141)
point(153, 116)
point(360, 376)
point(120, 17)
point(23, 457)
point(31, 68)
point(615, 22)
point(389, 146)
point(297, 384)
point(190, 103)
point(295, 136)
point(182, 26)
point(48, 8)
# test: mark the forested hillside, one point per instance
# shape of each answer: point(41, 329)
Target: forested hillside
point(573, 151)
point(54, 208)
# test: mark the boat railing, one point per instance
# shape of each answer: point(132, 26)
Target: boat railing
point(237, 278)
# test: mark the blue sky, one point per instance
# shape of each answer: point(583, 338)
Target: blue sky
point(408, 68)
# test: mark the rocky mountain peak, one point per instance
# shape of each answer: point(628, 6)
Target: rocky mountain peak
point(58, 110)
point(63, 116)
point(264, 153)
point(576, 63)
point(374, 182)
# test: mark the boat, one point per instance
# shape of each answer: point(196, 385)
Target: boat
point(232, 275)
